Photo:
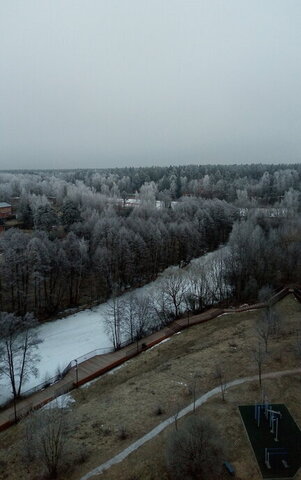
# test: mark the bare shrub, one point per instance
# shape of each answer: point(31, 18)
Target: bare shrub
point(122, 433)
point(81, 457)
point(45, 439)
point(159, 410)
point(106, 431)
point(193, 450)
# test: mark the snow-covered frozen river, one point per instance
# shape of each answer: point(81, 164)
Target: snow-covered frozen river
point(80, 333)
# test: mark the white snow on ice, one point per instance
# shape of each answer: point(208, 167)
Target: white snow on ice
point(65, 340)
point(80, 333)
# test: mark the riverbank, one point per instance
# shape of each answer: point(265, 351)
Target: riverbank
point(74, 335)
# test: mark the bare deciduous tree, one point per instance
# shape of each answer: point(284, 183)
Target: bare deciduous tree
point(18, 349)
point(220, 376)
point(175, 287)
point(259, 357)
point(136, 316)
point(268, 325)
point(197, 296)
point(162, 313)
point(193, 387)
point(274, 320)
point(264, 331)
point(176, 414)
point(114, 321)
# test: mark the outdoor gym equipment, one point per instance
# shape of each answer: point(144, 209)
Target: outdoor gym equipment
point(259, 407)
point(276, 452)
point(274, 422)
point(272, 416)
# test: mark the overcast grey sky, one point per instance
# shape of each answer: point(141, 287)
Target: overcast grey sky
point(107, 83)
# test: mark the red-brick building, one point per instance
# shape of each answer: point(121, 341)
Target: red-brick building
point(5, 210)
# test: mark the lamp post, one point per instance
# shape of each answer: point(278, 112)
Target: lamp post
point(137, 341)
point(76, 372)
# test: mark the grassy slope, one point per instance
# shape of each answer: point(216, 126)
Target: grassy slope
point(161, 377)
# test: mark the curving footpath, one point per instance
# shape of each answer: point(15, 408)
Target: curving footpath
point(159, 428)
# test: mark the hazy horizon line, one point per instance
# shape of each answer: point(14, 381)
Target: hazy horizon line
point(151, 166)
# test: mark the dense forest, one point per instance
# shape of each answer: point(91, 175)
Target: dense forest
point(80, 236)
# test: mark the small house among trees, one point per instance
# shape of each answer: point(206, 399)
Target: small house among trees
point(5, 210)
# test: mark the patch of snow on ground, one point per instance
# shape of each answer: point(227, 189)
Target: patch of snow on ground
point(157, 345)
point(114, 370)
point(88, 384)
point(64, 401)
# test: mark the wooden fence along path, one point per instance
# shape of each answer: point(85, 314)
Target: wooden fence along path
point(81, 373)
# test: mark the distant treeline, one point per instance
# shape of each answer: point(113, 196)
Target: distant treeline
point(266, 183)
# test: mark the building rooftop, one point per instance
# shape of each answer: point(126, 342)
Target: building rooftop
point(4, 204)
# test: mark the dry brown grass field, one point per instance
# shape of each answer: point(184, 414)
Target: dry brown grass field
point(161, 378)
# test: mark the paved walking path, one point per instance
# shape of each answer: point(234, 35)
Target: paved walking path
point(159, 428)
